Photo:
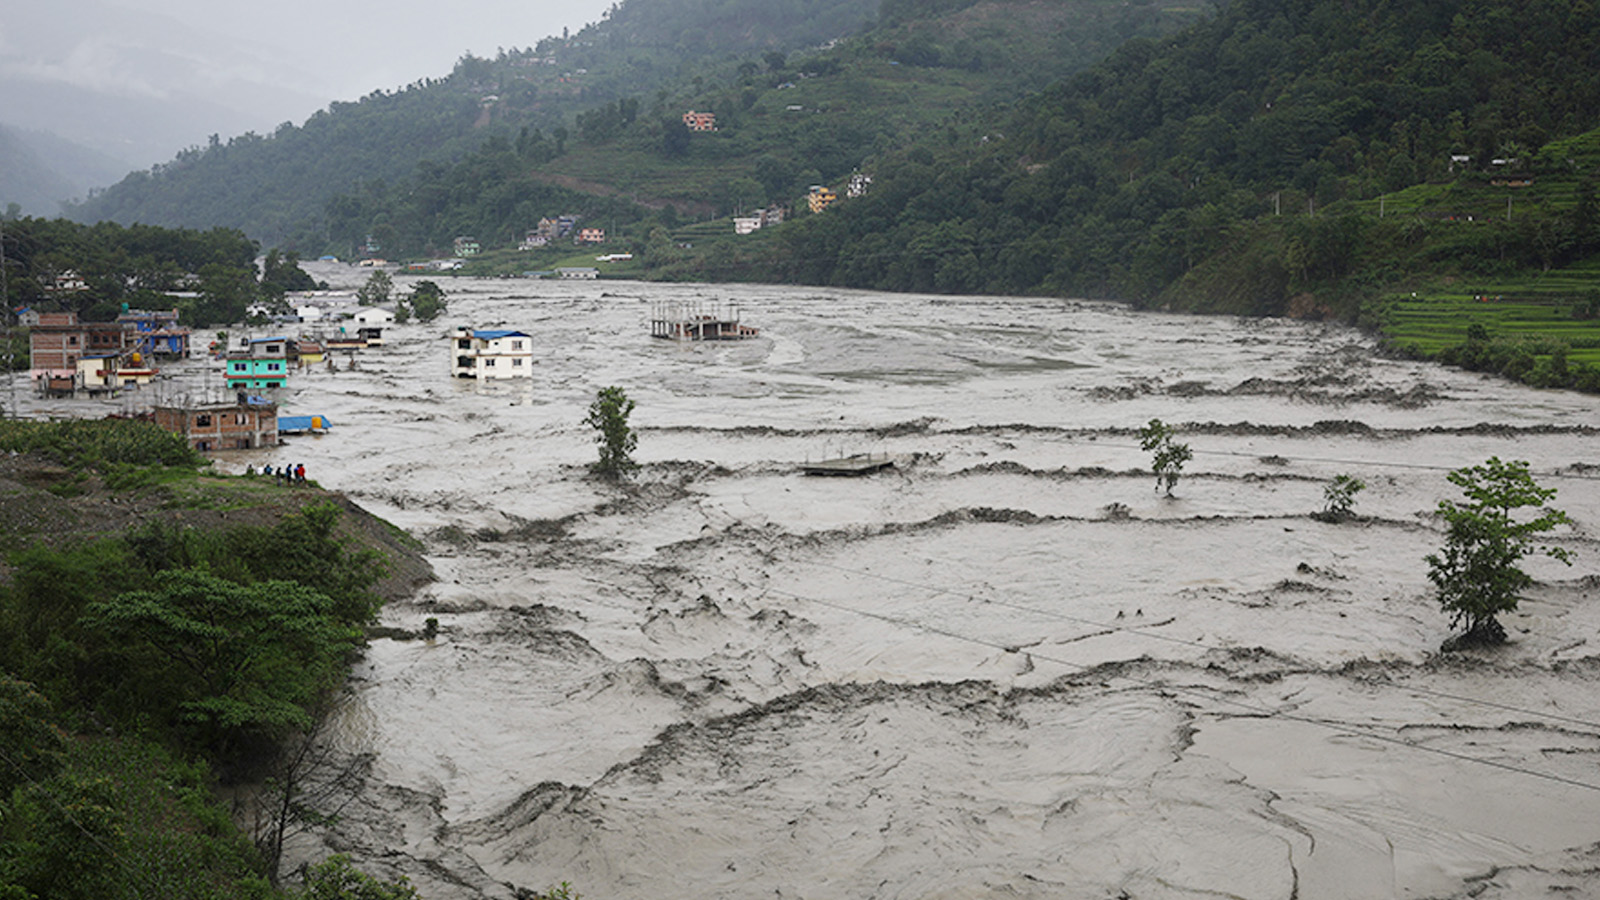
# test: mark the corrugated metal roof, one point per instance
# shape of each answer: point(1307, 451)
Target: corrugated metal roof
point(496, 334)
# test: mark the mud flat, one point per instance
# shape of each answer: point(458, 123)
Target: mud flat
point(1005, 667)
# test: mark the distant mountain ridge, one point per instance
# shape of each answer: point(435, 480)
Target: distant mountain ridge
point(41, 172)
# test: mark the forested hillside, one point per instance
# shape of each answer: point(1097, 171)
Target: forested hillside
point(783, 122)
point(1244, 164)
point(274, 186)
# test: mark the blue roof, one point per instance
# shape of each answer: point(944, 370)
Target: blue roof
point(492, 335)
point(265, 340)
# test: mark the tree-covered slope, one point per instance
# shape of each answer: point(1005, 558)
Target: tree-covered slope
point(784, 121)
point(274, 186)
point(1253, 135)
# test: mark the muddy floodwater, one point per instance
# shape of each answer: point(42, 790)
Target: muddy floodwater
point(1005, 666)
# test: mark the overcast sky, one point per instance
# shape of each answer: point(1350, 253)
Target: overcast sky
point(221, 66)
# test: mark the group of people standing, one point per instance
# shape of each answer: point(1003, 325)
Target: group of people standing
point(295, 474)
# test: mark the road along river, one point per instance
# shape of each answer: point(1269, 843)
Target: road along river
point(1005, 667)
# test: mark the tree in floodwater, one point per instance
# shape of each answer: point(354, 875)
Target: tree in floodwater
point(1477, 572)
point(1339, 498)
point(377, 289)
point(1169, 455)
point(608, 416)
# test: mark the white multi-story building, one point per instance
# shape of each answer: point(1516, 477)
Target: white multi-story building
point(486, 354)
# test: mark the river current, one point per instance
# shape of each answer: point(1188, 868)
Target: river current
point(1006, 666)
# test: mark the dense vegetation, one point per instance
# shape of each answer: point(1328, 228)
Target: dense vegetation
point(1184, 168)
point(274, 186)
point(137, 667)
point(135, 265)
point(604, 106)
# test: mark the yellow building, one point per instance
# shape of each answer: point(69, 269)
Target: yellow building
point(821, 198)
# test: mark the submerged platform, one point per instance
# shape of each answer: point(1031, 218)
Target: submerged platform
point(698, 322)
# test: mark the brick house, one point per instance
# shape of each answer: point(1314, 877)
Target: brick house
point(59, 341)
point(248, 422)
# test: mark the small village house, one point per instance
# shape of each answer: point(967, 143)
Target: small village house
point(490, 354)
point(467, 246)
point(373, 315)
point(577, 273)
point(591, 236)
point(700, 121)
point(246, 423)
point(821, 197)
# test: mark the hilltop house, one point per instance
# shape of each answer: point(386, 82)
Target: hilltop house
point(821, 198)
point(591, 236)
point(700, 121)
point(466, 245)
point(491, 354)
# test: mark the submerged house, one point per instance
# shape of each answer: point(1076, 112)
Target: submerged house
point(265, 364)
point(487, 354)
point(156, 332)
point(246, 423)
point(59, 345)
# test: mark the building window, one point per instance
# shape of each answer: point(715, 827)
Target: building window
point(202, 421)
point(516, 345)
point(274, 348)
point(238, 367)
point(72, 341)
point(488, 362)
point(516, 362)
point(273, 367)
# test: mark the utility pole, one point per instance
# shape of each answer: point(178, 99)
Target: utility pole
point(5, 310)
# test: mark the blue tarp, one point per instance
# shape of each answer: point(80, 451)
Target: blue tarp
point(302, 424)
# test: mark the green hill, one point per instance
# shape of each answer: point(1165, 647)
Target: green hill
point(783, 122)
point(604, 106)
point(274, 186)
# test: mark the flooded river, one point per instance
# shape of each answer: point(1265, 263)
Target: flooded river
point(1004, 667)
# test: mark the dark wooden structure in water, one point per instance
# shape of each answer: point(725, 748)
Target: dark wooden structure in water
point(855, 464)
point(680, 321)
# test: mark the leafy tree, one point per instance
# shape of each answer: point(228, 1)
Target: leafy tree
point(281, 273)
point(1169, 455)
point(1339, 497)
point(608, 416)
point(227, 662)
point(30, 742)
point(1477, 572)
point(426, 301)
point(377, 289)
